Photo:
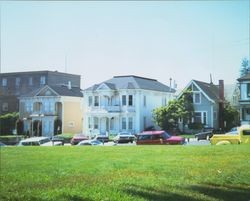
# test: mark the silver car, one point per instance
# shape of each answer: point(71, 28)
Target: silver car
point(38, 141)
point(124, 137)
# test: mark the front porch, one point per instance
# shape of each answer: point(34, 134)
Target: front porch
point(108, 125)
point(40, 125)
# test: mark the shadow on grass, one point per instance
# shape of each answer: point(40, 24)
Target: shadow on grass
point(227, 193)
point(201, 192)
point(155, 194)
point(76, 198)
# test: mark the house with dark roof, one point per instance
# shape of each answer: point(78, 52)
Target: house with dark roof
point(123, 103)
point(15, 84)
point(244, 101)
point(51, 110)
point(208, 100)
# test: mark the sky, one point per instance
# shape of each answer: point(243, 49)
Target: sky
point(182, 40)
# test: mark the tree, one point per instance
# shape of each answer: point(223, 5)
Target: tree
point(19, 126)
point(231, 116)
point(8, 123)
point(57, 126)
point(245, 68)
point(167, 117)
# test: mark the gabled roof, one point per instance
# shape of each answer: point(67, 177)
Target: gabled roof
point(133, 82)
point(209, 90)
point(57, 90)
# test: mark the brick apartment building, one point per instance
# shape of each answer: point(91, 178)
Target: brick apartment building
point(16, 84)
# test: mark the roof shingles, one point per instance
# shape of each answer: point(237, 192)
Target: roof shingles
point(135, 82)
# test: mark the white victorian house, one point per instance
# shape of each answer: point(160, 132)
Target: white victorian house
point(123, 103)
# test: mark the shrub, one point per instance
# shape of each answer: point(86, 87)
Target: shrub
point(8, 123)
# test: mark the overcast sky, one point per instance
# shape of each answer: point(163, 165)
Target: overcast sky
point(183, 40)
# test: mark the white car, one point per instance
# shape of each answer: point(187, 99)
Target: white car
point(124, 137)
point(38, 141)
point(90, 142)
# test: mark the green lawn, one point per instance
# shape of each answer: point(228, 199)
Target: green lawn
point(126, 173)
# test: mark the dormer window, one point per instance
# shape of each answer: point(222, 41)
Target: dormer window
point(196, 98)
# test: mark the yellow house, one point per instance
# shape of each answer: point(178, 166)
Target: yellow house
point(52, 110)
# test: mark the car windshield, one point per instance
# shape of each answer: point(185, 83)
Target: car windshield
point(124, 133)
point(166, 135)
point(44, 140)
point(95, 142)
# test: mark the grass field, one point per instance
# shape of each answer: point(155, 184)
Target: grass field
point(126, 173)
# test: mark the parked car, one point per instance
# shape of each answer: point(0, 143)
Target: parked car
point(58, 139)
point(90, 142)
point(242, 137)
point(158, 137)
point(38, 141)
point(78, 138)
point(203, 135)
point(102, 138)
point(124, 137)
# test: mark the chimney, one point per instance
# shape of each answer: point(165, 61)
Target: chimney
point(221, 90)
point(221, 104)
point(69, 85)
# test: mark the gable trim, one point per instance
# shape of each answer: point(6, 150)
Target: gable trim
point(44, 88)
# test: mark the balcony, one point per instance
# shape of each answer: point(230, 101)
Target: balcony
point(105, 109)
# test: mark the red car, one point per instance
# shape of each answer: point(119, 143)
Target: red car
point(158, 137)
point(78, 138)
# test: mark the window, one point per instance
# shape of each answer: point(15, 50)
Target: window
point(112, 123)
point(4, 82)
point(42, 80)
point(89, 121)
point(246, 132)
point(215, 115)
point(197, 117)
point(200, 117)
point(5, 107)
point(30, 81)
point(130, 100)
point(96, 101)
point(18, 80)
point(123, 123)
point(124, 100)
point(90, 101)
point(197, 98)
point(28, 107)
point(95, 123)
point(248, 89)
point(130, 123)
point(204, 118)
point(145, 101)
